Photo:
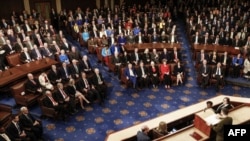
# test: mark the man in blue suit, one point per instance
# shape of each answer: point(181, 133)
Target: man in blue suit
point(115, 48)
point(122, 39)
point(131, 75)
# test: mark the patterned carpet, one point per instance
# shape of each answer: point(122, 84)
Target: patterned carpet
point(124, 107)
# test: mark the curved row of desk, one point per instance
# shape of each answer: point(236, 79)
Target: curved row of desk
point(198, 127)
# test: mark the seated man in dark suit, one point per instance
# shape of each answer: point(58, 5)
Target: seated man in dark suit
point(65, 72)
point(219, 74)
point(63, 98)
point(75, 69)
point(98, 83)
point(25, 56)
point(32, 85)
point(117, 61)
point(4, 136)
point(143, 78)
point(54, 75)
point(142, 135)
point(28, 121)
point(50, 102)
point(84, 85)
point(176, 55)
point(85, 65)
point(204, 73)
point(16, 130)
point(36, 53)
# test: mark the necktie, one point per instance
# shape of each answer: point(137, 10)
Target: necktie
point(52, 100)
point(99, 78)
point(63, 94)
point(86, 83)
point(66, 72)
point(76, 69)
point(18, 128)
point(28, 117)
point(86, 64)
point(153, 69)
point(38, 54)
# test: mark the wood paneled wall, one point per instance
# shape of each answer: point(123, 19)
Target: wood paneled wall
point(7, 6)
point(73, 4)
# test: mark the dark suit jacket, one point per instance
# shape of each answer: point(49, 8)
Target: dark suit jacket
point(202, 70)
point(13, 131)
point(47, 102)
point(94, 79)
point(25, 122)
point(31, 87)
point(222, 71)
point(117, 59)
point(83, 66)
point(58, 96)
point(64, 47)
point(34, 54)
point(53, 76)
point(63, 73)
point(139, 71)
point(150, 70)
point(228, 59)
point(80, 85)
point(8, 49)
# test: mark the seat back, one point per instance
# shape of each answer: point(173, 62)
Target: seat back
point(48, 112)
point(13, 59)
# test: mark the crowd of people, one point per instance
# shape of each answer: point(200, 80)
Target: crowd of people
point(23, 126)
point(224, 23)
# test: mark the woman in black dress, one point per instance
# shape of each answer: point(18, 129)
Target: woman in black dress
point(178, 72)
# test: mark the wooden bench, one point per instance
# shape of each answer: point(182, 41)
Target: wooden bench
point(22, 97)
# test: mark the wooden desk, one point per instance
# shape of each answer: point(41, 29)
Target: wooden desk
point(150, 46)
point(19, 72)
point(217, 48)
point(184, 135)
point(170, 117)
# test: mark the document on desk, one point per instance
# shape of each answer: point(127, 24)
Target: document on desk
point(212, 120)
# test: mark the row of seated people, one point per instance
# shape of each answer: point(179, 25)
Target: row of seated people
point(34, 51)
point(77, 85)
point(163, 130)
point(143, 75)
point(235, 66)
point(23, 126)
point(135, 56)
point(222, 25)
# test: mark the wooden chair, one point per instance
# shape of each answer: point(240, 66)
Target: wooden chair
point(48, 112)
point(99, 54)
point(25, 99)
point(124, 80)
point(5, 115)
point(156, 134)
point(13, 59)
point(111, 66)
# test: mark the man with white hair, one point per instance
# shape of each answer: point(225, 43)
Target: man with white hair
point(98, 82)
point(28, 121)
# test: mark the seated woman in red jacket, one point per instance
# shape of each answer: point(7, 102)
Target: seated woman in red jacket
point(165, 73)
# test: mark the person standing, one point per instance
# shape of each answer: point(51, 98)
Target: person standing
point(225, 120)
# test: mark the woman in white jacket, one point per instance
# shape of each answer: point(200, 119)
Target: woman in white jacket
point(45, 82)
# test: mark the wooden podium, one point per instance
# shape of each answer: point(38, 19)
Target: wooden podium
point(200, 123)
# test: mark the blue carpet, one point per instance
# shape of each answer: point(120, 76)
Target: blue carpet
point(124, 107)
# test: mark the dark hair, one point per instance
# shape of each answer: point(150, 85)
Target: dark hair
point(210, 102)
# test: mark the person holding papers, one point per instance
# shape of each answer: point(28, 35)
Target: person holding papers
point(224, 120)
